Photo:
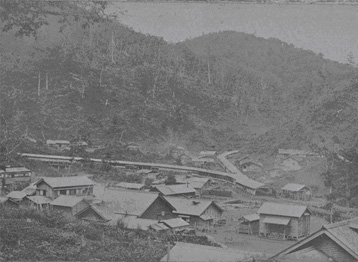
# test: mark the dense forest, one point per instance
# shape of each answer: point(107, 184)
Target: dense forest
point(70, 71)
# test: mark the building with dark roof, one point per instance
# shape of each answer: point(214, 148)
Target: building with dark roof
point(333, 242)
point(199, 213)
point(296, 191)
point(283, 220)
point(53, 187)
point(175, 190)
point(114, 204)
point(69, 205)
point(249, 224)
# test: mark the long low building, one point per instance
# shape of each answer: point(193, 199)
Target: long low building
point(185, 252)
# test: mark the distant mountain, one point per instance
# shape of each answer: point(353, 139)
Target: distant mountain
point(277, 88)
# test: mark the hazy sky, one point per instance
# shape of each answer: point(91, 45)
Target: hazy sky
point(328, 29)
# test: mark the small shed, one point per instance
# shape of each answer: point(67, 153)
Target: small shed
point(175, 224)
point(38, 202)
point(296, 191)
point(284, 221)
point(249, 224)
point(9, 203)
point(69, 205)
point(16, 196)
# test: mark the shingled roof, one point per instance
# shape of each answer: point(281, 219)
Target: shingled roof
point(344, 234)
point(128, 202)
point(189, 206)
point(168, 190)
point(286, 210)
point(72, 181)
point(66, 201)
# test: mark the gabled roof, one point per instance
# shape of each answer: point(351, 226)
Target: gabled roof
point(16, 195)
point(168, 190)
point(128, 202)
point(252, 217)
point(144, 224)
point(71, 181)
point(39, 199)
point(130, 185)
point(15, 170)
point(293, 187)
point(196, 182)
point(185, 252)
point(189, 206)
point(67, 201)
point(175, 222)
point(341, 233)
point(276, 209)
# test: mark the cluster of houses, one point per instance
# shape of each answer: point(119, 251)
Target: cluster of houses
point(164, 207)
point(333, 242)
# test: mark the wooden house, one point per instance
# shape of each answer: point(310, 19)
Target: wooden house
point(199, 213)
point(38, 202)
point(8, 203)
point(115, 204)
point(69, 205)
point(16, 196)
point(333, 242)
point(175, 190)
point(200, 184)
point(284, 221)
point(296, 191)
point(13, 177)
point(53, 187)
point(249, 224)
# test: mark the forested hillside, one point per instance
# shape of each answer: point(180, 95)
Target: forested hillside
point(70, 71)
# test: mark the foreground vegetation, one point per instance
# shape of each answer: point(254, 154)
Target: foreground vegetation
point(33, 236)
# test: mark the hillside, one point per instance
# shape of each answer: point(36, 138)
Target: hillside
point(100, 81)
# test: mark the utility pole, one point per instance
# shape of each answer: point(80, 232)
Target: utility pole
point(168, 252)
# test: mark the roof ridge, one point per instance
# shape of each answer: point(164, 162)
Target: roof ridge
point(338, 224)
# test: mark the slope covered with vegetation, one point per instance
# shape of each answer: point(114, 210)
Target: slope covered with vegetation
point(69, 71)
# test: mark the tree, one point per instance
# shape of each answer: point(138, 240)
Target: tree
point(170, 179)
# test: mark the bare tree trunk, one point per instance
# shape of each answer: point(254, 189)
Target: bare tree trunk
point(209, 76)
point(155, 82)
point(112, 48)
point(39, 84)
point(46, 81)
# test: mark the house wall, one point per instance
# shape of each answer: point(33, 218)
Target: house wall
point(89, 214)
point(199, 223)
point(53, 193)
point(251, 228)
point(79, 207)
point(294, 229)
point(156, 208)
point(333, 250)
point(214, 212)
point(45, 186)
